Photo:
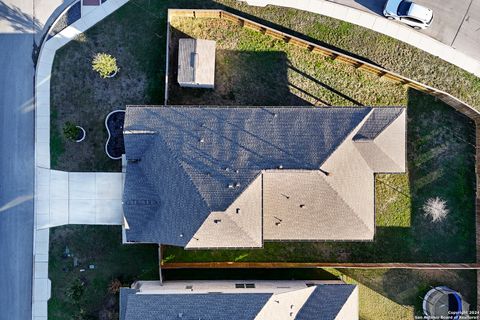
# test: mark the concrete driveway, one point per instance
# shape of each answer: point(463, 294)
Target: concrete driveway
point(18, 28)
point(455, 23)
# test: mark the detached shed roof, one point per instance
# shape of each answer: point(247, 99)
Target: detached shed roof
point(196, 63)
point(232, 177)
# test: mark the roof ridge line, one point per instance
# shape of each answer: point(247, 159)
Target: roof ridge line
point(345, 202)
point(363, 120)
point(179, 163)
point(244, 190)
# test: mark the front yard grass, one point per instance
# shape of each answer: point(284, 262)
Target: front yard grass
point(85, 294)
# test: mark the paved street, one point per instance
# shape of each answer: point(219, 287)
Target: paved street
point(17, 30)
point(455, 23)
point(16, 161)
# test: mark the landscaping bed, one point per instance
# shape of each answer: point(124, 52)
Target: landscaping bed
point(82, 292)
point(115, 146)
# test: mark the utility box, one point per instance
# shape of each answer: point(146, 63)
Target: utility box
point(196, 63)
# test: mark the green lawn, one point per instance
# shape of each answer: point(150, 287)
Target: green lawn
point(255, 69)
point(85, 294)
point(397, 293)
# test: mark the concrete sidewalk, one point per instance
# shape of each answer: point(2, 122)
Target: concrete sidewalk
point(382, 25)
point(65, 197)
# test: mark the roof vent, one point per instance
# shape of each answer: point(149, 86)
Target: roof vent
point(236, 171)
point(237, 185)
point(227, 169)
point(302, 206)
point(230, 186)
point(201, 140)
point(278, 221)
point(280, 167)
point(181, 235)
point(237, 210)
point(217, 220)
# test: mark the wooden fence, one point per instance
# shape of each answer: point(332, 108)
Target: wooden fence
point(365, 66)
point(300, 265)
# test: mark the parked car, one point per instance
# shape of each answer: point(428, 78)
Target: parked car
point(408, 12)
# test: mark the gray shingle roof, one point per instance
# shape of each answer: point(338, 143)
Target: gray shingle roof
point(210, 306)
point(185, 162)
point(323, 304)
point(377, 122)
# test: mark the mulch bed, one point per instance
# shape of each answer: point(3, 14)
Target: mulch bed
point(115, 145)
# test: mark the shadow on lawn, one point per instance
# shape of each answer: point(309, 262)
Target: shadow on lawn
point(253, 78)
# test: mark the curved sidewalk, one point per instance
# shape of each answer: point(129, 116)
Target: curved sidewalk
point(65, 197)
point(382, 25)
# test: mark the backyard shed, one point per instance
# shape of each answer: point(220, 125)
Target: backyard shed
point(196, 63)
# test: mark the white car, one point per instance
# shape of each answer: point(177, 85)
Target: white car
point(408, 12)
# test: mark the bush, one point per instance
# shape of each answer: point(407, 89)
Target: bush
point(71, 131)
point(436, 209)
point(76, 290)
point(114, 286)
point(104, 64)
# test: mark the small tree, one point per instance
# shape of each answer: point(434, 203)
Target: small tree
point(104, 64)
point(436, 209)
point(71, 131)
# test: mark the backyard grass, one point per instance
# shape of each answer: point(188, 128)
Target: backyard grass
point(255, 69)
point(85, 294)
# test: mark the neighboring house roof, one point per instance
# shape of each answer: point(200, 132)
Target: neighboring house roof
point(196, 63)
point(232, 176)
point(321, 302)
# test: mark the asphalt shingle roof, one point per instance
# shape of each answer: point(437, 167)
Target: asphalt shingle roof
point(186, 162)
point(377, 122)
point(324, 303)
point(212, 306)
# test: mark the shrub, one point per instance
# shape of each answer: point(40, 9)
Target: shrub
point(104, 64)
point(76, 290)
point(436, 209)
point(114, 286)
point(71, 131)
